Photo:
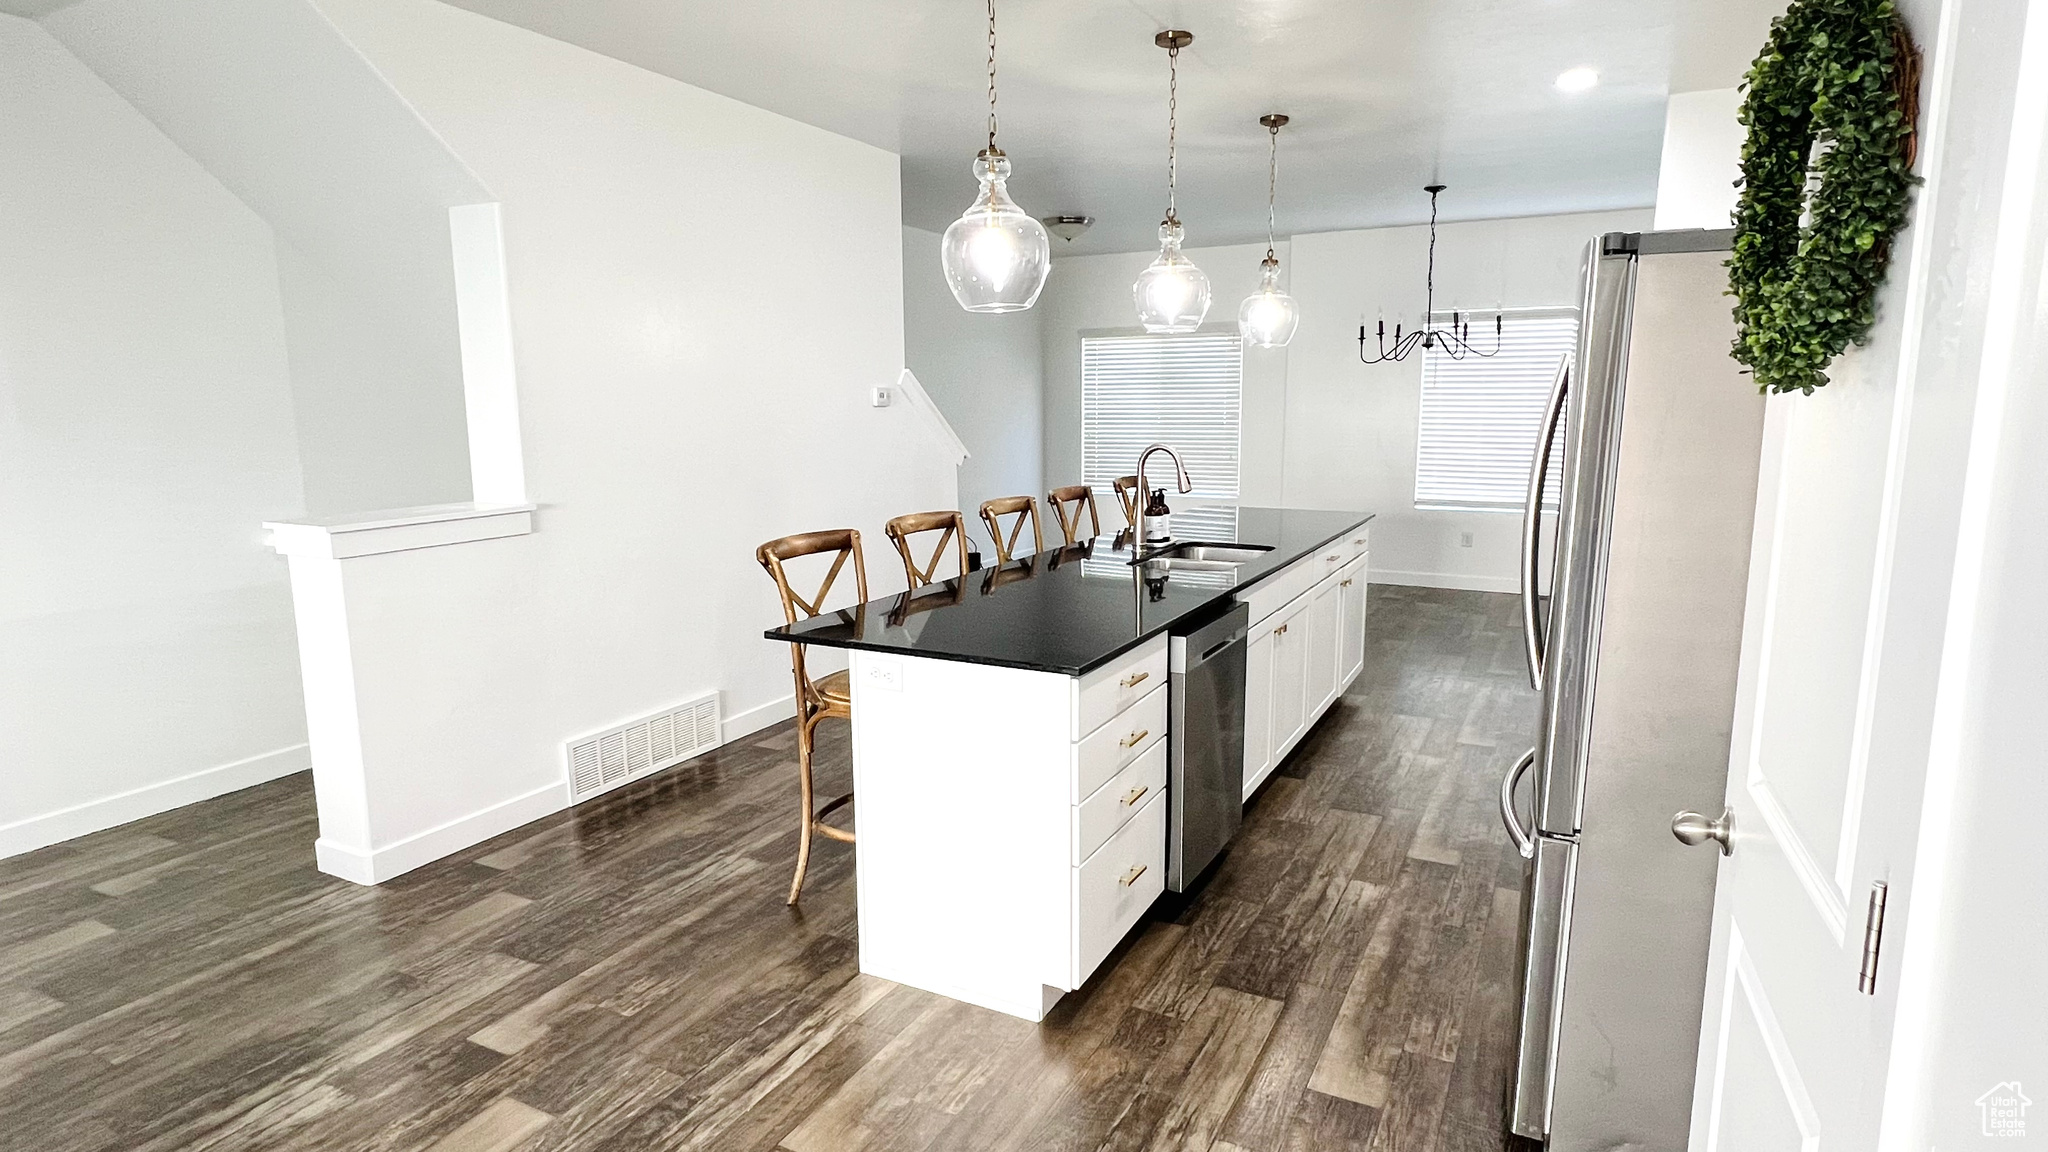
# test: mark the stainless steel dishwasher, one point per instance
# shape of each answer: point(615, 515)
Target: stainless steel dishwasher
point(1205, 758)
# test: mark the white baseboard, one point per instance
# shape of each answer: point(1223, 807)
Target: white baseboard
point(1468, 583)
point(150, 799)
point(743, 724)
point(381, 864)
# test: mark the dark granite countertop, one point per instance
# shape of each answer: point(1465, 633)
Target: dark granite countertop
point(1069, 610)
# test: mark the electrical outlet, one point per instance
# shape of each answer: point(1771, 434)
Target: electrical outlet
point(1464, 539)
point(882, 397)
point(884, 674)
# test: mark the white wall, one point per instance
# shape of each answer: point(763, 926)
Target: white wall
point(146, 655)
point(693, 380)
point(1351, 427)
point(1320, 429)
point(983, 372)
point(1092, 294)
point(291, 119)
point(1702, 159)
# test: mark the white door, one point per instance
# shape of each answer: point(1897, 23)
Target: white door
point(1258, 708)
point(1865, 489)
point(1323, 614)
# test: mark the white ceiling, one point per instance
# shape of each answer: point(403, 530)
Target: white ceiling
point(1385, 94)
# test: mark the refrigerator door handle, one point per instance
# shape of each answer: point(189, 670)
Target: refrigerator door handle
point(1525, 845)
point(1532, 514)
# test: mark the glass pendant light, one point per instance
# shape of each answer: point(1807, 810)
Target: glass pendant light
point(995, 255)
point(1268, 317)
point(1172, 294)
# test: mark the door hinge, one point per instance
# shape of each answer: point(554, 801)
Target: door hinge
point(1873, 938)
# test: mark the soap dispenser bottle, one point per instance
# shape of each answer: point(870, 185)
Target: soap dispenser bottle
point(1158, 518)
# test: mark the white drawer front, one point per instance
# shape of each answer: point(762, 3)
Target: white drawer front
point(1098, 817)
point(1276, 591)
point(1129, 734)
point(1115, 886)
point(1107, 691)
point(1330, 557)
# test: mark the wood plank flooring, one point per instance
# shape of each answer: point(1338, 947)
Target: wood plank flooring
point(625, 976)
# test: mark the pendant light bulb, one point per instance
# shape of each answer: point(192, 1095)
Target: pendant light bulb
point(1172, 294)
point(1269, 316)
point(996, 255)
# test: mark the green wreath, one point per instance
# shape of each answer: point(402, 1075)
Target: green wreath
point(1840, 73)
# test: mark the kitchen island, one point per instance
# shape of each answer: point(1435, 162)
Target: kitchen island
point(1010, 739)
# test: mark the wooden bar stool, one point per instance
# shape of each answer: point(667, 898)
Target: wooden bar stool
point(829, 695)
point(1128, 496)
point(1067, 505)
point(949, 522)
point(1023, 507)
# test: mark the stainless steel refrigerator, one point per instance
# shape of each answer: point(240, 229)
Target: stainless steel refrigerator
point(1634, 649)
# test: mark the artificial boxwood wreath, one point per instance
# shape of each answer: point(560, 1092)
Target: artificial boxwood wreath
point(1841, 74)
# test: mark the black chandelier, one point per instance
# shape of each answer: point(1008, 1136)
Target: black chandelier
point(1455, 341)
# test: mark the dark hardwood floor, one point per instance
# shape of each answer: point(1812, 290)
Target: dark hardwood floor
point(625, 976)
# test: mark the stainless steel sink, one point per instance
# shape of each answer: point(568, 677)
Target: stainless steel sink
point(1195, 554)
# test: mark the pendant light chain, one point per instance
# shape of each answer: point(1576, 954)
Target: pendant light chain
point(992, 76)
point(1272, 184)
point(1172, 127)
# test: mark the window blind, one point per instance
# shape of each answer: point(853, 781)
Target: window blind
point(1182, 391)
point(1481, 415)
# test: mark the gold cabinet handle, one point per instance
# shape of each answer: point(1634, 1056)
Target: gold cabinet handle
point(1134, 678)
point(1140, 790)
point(1360, 540)
point(1131, 741)
point(1131, 877)
point(1334, 556)
point(1279, 630)
point(1343, 583)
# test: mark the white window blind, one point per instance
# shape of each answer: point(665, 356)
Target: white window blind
point(1181, 391)
point(1481, 414)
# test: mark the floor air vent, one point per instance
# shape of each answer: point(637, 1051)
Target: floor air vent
point(605, 760)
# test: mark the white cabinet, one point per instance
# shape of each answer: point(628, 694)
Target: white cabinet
point(1322, 646)
point(1258, 706)
point(1290, 675)
point(1307, 645)
point(1011, 824)
point(1351, 623)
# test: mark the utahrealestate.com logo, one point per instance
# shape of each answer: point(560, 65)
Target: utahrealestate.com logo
point(2004, 1110)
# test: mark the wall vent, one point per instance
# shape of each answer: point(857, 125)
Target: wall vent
point(604, 760)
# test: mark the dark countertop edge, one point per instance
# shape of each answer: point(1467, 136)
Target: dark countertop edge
point(1083, 670)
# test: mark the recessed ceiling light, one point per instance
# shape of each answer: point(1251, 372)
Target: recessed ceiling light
point(1577, 79)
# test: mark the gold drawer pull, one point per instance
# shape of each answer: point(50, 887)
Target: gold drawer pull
point(1134, 678)
point(1131, 877)
point(1131, 741)
point(1140, 790)
point(1279, 630)
point(1343, 583)
point(1360, 540)
point(1334, 556)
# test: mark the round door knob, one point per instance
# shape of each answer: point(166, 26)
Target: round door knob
point(1694, 828)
